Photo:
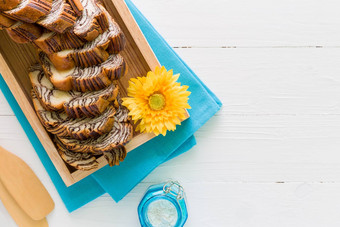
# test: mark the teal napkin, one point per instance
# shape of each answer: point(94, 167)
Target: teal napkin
point(119, 180)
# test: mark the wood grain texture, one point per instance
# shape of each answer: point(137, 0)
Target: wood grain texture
point(245, 23)
point(24, 186)
point(17, 213)
point(271, 156)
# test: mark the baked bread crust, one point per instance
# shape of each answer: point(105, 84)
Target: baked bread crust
point(115, 156)
point(75, 104)
point(8, 5)
point(58, 123)
point(22, 32)
point(81, 161)
point(51, 42)
point(61, 17)
point(85, 79)
point(77, 6)
point(120, 134)
point(92, 22)
point(30, 11)
point(112, 41)
point(6, 22)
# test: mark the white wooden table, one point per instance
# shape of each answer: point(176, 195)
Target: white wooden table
point(271, 156)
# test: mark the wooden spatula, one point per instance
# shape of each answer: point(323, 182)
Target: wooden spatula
point(24, 186)
point(20, 217)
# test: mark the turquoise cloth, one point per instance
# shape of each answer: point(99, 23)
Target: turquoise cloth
point(119, 180)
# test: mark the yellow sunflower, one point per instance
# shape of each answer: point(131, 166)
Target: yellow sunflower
point(157, 102)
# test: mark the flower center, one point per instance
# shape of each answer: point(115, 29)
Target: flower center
point(157, 101)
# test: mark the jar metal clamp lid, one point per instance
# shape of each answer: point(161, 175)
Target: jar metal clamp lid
point(163, 205)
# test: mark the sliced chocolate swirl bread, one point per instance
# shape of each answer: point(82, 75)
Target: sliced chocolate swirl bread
point(86, 28)
point(77, 6)
point(51, 42)
point(9, 4)
point(120, 134)
point(75, 104)
point(6, 22)
point(58, 123)
point(92, 53)
point(81, 161)
point(30, 11)
point(61, 17)
point(85, 79)
point(22, 32)
point(92, 22)
point(116, 155)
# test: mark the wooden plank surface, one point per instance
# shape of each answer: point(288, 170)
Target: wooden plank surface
point(245, 23)
point(271, 156)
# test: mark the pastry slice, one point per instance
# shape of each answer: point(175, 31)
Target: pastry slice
point(30, 11)
point(112, 41)
point(77, 6)
point(81, 161)
point(6, 22)
point(75, 104)
point(120, 134)
point(85, 79)
point(51, 42)
point(92, 22)
point(9, 4)
point(86, 28)
point(116, 155)
point(22, 32)
point(58, 123)
point(61, 17)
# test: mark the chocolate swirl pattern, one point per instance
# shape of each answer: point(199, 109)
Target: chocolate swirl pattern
point(85, 79)
point(120, 134)
point(22, 32)
point(116, 155)
point(92, 22)
point(51, 42)
point(92, 53)
point(61, 18)
point(77, 6)
point(58, 123)
point(75, 104)
point(6, 22)
point(81, 161)
point(30, 11)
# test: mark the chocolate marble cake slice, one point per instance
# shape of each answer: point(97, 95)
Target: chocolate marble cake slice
point(6, 22)
point(86, 28)
point(9, 4)
point(85, 79)
point(75, 104)
point(116, 155)
point(92, 22)
point(112, 41)
point(120, 134)
point(22, 32)
point(58, 123)
point(51, 42)
point(77, 6)
point(61, 17)
point(30, 11)
point(81, 161)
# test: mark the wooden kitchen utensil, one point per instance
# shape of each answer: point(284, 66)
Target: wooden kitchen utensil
point(20, 217)
point(24, 186)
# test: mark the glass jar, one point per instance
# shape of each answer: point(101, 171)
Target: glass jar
point(163, 205)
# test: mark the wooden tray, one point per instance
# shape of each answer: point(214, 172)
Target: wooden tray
point(15, 60)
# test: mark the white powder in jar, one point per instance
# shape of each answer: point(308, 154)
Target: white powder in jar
point(162, 213)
